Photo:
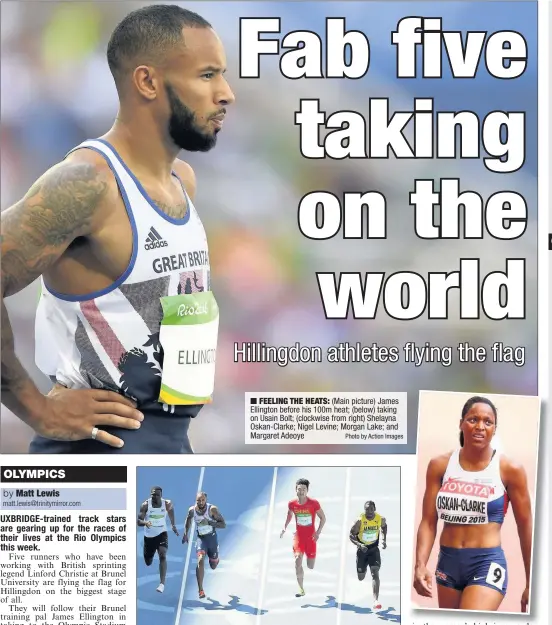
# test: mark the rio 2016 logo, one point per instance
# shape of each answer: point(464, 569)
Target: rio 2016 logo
point(199, 309)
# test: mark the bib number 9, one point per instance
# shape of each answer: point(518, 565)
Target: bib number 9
point(496, 576)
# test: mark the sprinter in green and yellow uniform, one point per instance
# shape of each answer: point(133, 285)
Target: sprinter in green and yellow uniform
point(365, 534)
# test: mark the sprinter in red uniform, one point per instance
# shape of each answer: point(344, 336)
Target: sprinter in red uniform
point(305, 538)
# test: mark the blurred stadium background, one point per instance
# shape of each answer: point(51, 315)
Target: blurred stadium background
point(57, 91)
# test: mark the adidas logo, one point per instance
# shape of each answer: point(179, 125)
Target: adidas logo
point(154, 240)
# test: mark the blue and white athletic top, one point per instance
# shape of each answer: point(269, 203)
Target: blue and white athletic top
point(472, 497)
point(109, 339)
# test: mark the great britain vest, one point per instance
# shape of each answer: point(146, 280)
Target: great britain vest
point(109, 339)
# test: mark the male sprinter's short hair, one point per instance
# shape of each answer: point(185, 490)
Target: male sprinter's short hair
point(145, 35)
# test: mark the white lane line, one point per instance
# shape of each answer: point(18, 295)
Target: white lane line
point(264, 566)
point(188, 556)
point(344, 540)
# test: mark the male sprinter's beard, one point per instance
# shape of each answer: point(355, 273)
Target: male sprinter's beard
point(183, 128)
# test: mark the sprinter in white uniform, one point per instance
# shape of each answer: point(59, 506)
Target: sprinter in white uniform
point(207, 520)
point(111, 230)
point(469, 490)
point(153, 518)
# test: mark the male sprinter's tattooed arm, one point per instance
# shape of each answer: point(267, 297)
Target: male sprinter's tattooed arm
point(218, 520)
point(36, 231)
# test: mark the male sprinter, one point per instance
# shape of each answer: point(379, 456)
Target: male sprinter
point(153, 518)
point(112, 229)
point(305, 538)
point(365, 534)
point(208, 520)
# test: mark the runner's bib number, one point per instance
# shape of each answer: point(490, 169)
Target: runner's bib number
point(304, 519)
point(203, 530)
point(157, 520)
point(188, 336)
point(369, 536)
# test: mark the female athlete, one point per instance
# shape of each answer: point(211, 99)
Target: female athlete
point(469, 489)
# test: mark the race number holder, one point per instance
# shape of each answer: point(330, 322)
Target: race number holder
point(188, 335)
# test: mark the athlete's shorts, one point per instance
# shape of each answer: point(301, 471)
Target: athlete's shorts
point(152, 544)
point(458, 568)
point(304, 544)
point(370, 557)
point(208, 544)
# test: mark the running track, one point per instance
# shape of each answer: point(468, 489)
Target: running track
point(255, 580)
